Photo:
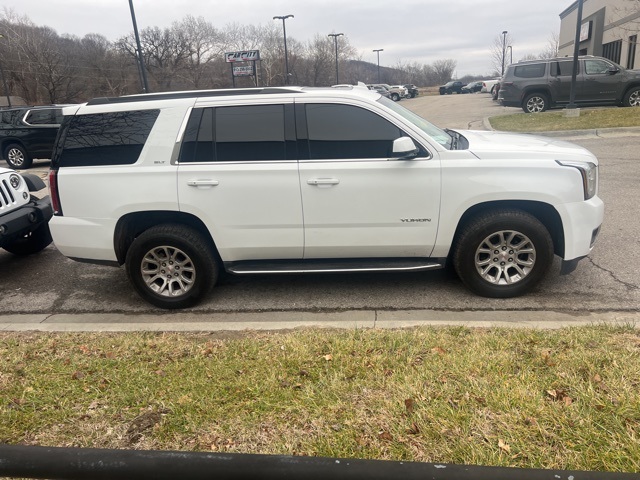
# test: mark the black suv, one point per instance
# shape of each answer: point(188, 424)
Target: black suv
point(450, 87)
point(538, 85)
point(27, 133)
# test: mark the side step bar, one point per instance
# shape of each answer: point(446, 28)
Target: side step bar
point(334, 265)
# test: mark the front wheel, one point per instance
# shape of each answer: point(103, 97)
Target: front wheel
point(32, 242)
point(17, 157)
point(171, 266)
point(395, 97)
point(632, 98)
point(503, 254)
point(535, 103)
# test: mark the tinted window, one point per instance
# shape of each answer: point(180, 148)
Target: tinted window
point(235, 134)
point(563, 69)
point(530, 71)
point(9, 116)
point(105, 138)
point(42, 117)
point(344, 131)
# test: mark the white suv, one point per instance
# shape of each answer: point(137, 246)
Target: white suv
point(180, 186)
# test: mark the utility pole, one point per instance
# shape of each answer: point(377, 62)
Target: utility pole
point(504, 47)
point(335, 39)
point(286, 56)
point(378, 52)
point(143, 72)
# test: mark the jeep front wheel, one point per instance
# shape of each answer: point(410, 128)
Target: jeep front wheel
point(17, 157)
point(632, 98)
point(171, 266)
point(32, 242)
point(503, 254)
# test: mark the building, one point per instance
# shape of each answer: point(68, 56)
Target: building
point(609, 29)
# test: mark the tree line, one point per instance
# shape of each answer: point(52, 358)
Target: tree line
point(44, 67)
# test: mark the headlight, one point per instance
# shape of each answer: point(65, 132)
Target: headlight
point(15, 181)
point(589, 172)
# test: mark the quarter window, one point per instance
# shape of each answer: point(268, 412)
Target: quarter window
point(49, 116)
point(105, 138)
point(348, 132)
point(533, 70)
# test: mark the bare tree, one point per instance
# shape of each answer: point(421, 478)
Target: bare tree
point(443, 70)
point(553, 45)
point(499, 52)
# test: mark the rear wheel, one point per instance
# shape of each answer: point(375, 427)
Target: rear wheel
point(395, 97)
point(535, 103)
point(17, 157)
point(503, 253)
point(171, 266)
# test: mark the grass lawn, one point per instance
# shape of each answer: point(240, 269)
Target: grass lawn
point(567, 399)
point(555, 120)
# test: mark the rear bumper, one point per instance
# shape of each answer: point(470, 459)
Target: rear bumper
point(24, 220)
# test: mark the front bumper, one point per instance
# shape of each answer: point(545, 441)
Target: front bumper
point(581, 222)
point(24, 220)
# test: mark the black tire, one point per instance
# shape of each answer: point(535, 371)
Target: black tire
point(525, 253)
point(632, 98)
point(179, 252)
point(535, 103)
point(33, 242)
point(17, 157)
point(395, 97)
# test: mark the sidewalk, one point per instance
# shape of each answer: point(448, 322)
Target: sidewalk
point(354, 319)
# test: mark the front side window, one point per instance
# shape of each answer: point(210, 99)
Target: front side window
point(596, 67)
point(348, 132)
point(533, 70)
point(105, 138)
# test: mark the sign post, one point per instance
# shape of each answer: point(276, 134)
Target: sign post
point(243, 57)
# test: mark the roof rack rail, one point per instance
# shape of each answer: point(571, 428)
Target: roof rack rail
point(147, 97)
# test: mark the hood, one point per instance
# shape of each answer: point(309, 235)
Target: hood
point(504, 145)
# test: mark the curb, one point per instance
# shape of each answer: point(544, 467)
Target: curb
point(592, 132)
point(350, 320)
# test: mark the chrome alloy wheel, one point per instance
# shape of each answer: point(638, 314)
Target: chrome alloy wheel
point(634, 99)
point(15, 157)
point(535, 104)
point(168, 271)
point(505, 257)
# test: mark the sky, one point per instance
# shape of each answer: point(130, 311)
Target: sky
point(408, 30)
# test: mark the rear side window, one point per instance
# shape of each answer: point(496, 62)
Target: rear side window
point(235, 134)
point(105, 138)
point(48, 116)
point(533, 70)
point(563, 69)
point(8, 117)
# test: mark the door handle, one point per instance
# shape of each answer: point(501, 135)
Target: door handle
point(202, 183)
point(323, 181)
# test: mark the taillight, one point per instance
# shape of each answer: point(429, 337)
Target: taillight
point(53, 191)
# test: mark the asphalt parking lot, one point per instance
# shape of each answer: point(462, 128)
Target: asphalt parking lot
point(50, 292)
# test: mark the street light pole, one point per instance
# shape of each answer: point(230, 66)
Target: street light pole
point(576, 51)
point(286, 56)
point(504, 46)
point(378, 52)
point(510, 54)
point(335, 39)
point(4, 81)
point(145, 84)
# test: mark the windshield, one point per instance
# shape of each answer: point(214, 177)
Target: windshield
point(439, 135)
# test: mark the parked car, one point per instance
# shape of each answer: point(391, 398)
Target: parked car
point(23, 217)
point(453, 86)
point(472, 87)
point(489, 86)
point(381, 90)
point(404, 93)
point(412, 89)
point(180, 186)
point(396, 92)
point(27, 133)
point(538, 85)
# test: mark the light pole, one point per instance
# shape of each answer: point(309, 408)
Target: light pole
point(335, 39)
point(4, 81)
point(143, 73)
point(510, 54)
point(286, 57)
point(504, 46)
point(378, 52)
point(576, 50)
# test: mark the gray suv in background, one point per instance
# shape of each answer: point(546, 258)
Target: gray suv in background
point(538, 85)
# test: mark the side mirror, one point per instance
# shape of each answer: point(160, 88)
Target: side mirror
point(613, 70)
point(404, 148)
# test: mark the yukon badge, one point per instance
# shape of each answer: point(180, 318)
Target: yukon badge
point(415, 220)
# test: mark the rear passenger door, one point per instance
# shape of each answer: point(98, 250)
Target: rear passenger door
point(238, 173)
point(560, 81)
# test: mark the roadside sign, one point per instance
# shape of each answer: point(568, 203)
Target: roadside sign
point(244, 56)
point(245, 71)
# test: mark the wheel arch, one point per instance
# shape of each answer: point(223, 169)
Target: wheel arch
point(544, 212)
point(6, 141)
point(537, 89)
point(131, 225)
point(631, 86)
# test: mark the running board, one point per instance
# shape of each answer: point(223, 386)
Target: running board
point(334, 265)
